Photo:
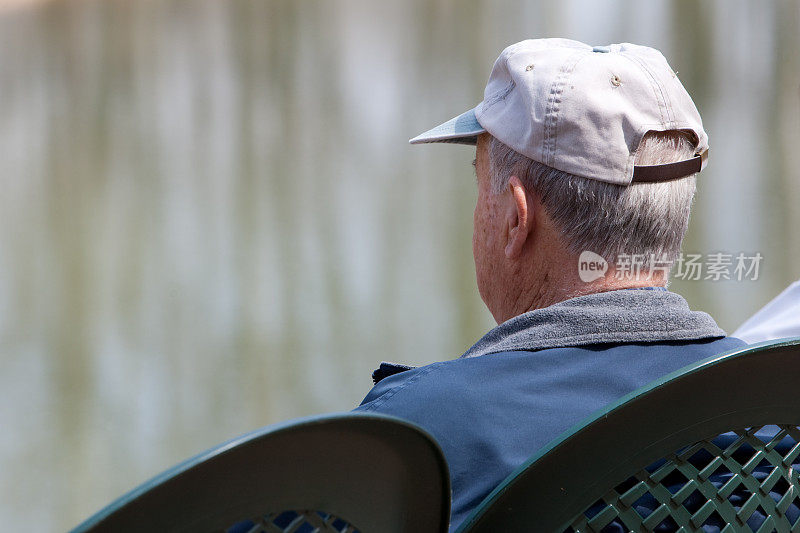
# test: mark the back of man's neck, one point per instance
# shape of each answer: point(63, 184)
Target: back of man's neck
point(553, 292)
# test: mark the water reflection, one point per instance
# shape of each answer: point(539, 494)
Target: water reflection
point(210, 220)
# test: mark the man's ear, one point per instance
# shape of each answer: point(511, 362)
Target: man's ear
point(519, 218)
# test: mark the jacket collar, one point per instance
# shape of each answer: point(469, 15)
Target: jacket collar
point(621, 316)
point(651, 314)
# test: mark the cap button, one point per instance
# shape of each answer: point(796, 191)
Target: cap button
point(602, 49)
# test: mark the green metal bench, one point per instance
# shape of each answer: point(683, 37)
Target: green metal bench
point(345, 472)
point(687, 452)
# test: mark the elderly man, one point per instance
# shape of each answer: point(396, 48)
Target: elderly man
point(585, 156)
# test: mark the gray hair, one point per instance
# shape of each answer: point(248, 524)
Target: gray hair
point(646, 219)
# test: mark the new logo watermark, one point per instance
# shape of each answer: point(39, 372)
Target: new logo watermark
point(691, 267)
point(591, 266)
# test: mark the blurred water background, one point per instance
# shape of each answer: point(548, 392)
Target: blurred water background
point(210, 219)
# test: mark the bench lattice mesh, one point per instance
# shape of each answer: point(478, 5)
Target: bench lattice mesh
point(750, 483)
point(298, 521)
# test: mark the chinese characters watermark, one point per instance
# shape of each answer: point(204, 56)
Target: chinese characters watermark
point(690, 267)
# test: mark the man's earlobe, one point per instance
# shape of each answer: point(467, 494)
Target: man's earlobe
point(519, 218)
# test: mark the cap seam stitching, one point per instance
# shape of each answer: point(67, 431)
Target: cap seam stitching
point(499, 95)
point(553, 105)
point(663, 103)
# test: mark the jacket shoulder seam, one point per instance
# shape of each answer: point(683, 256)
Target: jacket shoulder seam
point(386, 396)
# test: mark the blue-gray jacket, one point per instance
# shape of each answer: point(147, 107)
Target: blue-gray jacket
point(534, 376)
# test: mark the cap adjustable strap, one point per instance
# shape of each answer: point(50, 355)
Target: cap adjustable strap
point(670, 171)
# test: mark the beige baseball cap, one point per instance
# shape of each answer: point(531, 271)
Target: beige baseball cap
point(582, 109)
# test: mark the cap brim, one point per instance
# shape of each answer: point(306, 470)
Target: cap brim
point(463, 129)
